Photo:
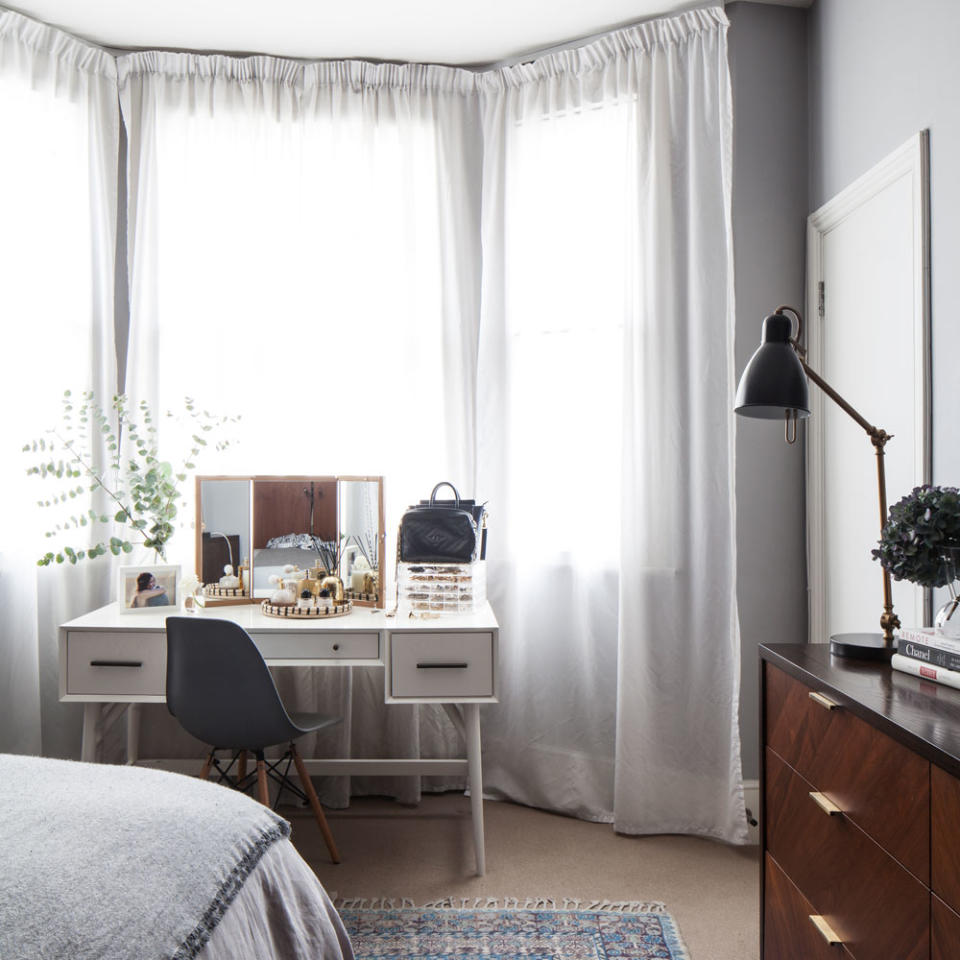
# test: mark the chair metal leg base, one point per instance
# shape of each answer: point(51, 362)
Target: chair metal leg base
point(268, 770)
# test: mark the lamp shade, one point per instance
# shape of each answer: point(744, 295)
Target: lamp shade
point(773, 382)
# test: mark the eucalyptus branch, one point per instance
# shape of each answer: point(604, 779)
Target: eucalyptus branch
point(98, 481)
point(145, 488)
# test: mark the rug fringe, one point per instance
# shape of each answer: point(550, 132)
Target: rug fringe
point(500, 903)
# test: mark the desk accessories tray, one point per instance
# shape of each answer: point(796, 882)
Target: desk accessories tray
point(294, 613)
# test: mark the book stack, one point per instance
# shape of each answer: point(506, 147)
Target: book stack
point(923, 652)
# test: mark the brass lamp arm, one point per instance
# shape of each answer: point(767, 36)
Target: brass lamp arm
point(875, 433)
point(889, 621)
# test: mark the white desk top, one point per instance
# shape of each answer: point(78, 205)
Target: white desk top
point(249, 617)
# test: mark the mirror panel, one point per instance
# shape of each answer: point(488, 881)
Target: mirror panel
point(361, 526)
point(294, 522)
point(223, 527)
point(336, 522)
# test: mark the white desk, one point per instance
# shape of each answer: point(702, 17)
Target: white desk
point(110, 657)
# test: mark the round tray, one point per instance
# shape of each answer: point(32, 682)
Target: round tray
point(215, 590)
point(292, 613)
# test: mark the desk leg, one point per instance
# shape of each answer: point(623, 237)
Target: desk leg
point(91, 718)
point(133, 732)
point(472, 718)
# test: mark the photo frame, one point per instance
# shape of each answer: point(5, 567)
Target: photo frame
point(148, 588)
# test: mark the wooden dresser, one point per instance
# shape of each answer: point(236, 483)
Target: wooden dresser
point(860, 797)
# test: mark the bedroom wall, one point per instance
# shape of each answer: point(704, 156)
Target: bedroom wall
point(768, 67)
point(880, 70)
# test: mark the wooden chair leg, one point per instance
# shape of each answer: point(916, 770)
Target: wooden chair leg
point(205, 772)
point(263, 795)
point(307, 785)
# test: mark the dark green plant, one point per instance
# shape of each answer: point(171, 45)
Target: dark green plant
point(920, 531)
point(114, 452)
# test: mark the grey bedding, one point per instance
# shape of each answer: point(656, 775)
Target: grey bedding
point(116, 863)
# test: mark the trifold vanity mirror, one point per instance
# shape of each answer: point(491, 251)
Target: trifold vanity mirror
point(259, 525)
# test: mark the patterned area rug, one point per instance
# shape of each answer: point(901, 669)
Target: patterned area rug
point(533, 930)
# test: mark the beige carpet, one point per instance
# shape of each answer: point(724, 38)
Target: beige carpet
point(426, 852)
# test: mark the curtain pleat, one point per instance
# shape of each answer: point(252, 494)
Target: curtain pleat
point(59, 124)
point(620, 670)
point(304, 253)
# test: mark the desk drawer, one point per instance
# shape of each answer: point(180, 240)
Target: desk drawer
point(878, 909)
point(116, 664)
point(879, 784)
point(299, 645)
point(441, 665)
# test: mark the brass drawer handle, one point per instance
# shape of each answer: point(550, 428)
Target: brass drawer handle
point(823, 700)
point(826, 804)
point(826, 931)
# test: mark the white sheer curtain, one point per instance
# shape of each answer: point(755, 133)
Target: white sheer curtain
point(605, 436)
point(304, 252)
point(59, 127)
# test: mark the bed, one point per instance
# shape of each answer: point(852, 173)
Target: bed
point(114, 863)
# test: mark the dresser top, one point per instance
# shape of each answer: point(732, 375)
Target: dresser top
point(920, 714)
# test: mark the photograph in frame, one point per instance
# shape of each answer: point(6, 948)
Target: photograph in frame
point(148, 587)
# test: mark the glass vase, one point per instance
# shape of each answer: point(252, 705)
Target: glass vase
point(947, 619)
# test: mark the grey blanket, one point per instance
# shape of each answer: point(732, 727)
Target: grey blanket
point(119, 863)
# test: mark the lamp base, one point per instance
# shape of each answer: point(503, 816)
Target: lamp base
point(862, 646)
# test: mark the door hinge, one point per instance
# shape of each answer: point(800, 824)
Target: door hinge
point(820, 300)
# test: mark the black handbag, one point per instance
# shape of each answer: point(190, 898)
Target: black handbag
point(442, 531)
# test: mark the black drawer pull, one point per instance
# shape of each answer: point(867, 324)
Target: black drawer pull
point(336, 646)
point(116, 663)
point(442, 666)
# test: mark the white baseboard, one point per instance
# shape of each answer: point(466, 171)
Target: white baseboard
point(751, 800)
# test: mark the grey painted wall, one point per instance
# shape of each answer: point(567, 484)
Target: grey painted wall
point(880, 70)
point(819, 97)
point(768, 67)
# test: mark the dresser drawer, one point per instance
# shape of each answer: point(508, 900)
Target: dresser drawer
point(944, 931)
point(945, 837)
point(441, 665)
point(879, 784)
point(116, 664)
point(299, 644)
point(879, 910)
point(788, 931)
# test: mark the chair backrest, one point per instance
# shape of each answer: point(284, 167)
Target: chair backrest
point(219, 688)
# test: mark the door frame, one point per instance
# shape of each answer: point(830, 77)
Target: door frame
point(911, 159)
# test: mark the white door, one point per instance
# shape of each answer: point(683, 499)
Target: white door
point(868, 308)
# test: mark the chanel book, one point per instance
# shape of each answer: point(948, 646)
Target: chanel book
point(928, 647)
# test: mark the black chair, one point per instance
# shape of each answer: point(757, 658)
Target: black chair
point(221, 692)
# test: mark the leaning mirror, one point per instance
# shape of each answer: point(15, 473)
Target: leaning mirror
point(329, 524)
point(223, 536)
point(361, 530)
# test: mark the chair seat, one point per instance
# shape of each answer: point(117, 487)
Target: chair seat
point(311, 722)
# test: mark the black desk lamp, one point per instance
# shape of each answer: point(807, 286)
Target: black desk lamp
point(774, 387)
